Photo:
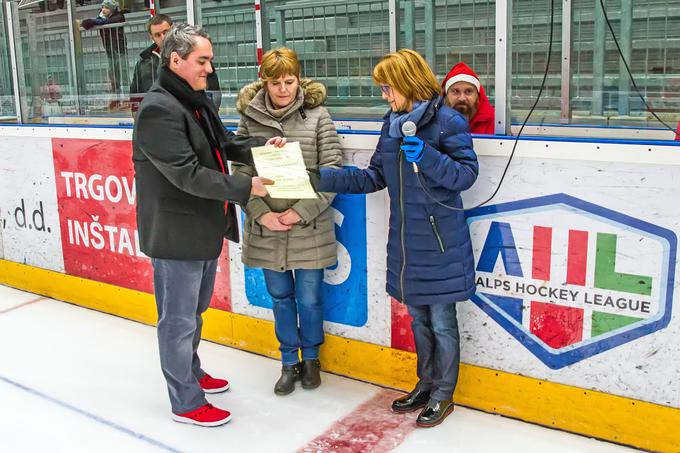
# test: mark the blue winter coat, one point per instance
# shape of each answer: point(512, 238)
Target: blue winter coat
point(439, 265)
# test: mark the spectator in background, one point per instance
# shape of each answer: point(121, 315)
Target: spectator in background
point(146, 69)
point(113, 40)
point(50, 94)
point(466, 94)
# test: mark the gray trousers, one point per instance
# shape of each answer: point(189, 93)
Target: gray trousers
point(435, 331)
point(183, 290)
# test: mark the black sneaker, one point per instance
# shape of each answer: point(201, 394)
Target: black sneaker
point(286, 383)
point(414, 400)
point(311, 376)
point(434, 413)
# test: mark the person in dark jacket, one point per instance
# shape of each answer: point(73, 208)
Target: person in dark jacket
point(113, 40)
point(146, 69)
point(180, 153)
point(430, 265)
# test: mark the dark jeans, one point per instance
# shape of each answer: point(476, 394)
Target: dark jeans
point(297, 298)
point(183, 290)
point(435, 330)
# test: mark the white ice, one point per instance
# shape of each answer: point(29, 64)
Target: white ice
point(76, 380)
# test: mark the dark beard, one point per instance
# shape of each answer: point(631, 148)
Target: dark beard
point(464, 109)
point(467, 110)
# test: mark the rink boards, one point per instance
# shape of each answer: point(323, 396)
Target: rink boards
point(572, 325)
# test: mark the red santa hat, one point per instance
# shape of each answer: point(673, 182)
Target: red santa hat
point(460, 73)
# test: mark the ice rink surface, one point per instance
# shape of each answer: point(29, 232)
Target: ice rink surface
point(77, 380)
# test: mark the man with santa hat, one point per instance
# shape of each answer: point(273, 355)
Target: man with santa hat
point(464, 92)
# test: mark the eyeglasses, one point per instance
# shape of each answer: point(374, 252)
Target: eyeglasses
point(386, 89)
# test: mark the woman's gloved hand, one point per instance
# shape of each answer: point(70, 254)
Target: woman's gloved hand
point(413, 148)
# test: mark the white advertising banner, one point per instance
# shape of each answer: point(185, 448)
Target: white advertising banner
point(576, 273)
point(28, 201)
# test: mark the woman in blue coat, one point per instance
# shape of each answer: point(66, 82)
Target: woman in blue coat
point(430, 266)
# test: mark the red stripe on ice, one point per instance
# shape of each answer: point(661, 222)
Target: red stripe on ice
point(370, 428)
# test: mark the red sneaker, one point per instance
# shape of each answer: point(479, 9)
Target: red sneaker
point(211, 385)
point(207, 415)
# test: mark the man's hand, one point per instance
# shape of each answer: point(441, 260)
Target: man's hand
point(290, 218)
point(258, 188)
point(271, 221)
point(279, 142)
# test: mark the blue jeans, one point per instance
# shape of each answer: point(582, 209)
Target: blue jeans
point(435, 330)
point(183, 290)
point(298, 312)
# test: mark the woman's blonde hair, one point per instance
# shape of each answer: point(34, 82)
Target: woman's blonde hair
point(279, 62)
point(407, 72)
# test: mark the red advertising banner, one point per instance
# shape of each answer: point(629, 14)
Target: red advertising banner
point(402, 336)
point(96, 198)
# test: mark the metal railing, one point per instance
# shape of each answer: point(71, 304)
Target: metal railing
point(106, 67)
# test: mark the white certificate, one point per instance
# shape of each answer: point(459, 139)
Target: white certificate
point(286, 167)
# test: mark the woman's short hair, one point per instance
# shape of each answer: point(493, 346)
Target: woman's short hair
point(407, 72)
point(279, 62)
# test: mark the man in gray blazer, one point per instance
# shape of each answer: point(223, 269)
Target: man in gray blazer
point(185, 209)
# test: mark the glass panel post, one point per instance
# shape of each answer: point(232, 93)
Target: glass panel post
point(597, 104)
point(503, 66)
point(16, 57)
point(191, 12)
point(75, 54)
point(394, 24)
point(626, 43)
point(430, 33)
point(565, 95)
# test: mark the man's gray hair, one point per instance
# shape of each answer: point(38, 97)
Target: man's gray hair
point(181, 39)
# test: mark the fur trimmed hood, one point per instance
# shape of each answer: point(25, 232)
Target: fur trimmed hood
point(314, 93)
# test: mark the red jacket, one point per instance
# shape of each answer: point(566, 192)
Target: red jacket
point(483, 121)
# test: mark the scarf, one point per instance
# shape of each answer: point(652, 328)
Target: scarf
point(397, 119)
point(198, 101)
point(280, 113)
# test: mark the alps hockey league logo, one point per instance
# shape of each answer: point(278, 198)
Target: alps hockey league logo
point(570, 279)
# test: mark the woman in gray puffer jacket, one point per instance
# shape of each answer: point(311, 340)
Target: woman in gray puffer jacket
point(292, 240)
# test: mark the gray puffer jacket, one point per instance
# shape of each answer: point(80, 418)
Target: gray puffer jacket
point(310, 244)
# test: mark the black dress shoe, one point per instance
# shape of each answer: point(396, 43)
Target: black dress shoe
point(286, 383)
point(311, 376)
point(434, 413)
point(414, 400)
